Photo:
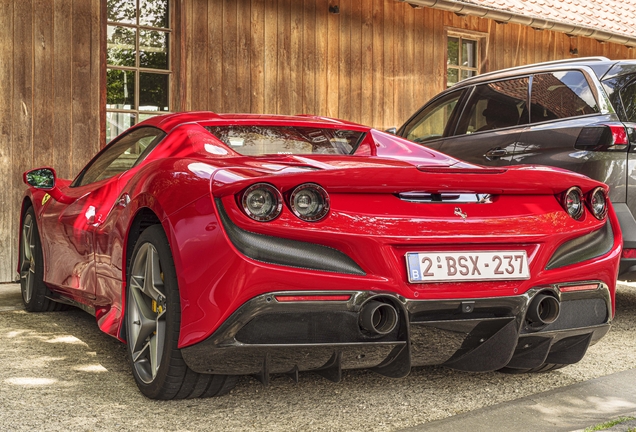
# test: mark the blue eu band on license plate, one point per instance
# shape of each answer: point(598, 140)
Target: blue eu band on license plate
point(425, 267)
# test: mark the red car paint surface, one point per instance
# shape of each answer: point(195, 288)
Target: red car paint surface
point(85, 238)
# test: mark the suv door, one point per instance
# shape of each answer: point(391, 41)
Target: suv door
point(562, 103)
point(490, 123)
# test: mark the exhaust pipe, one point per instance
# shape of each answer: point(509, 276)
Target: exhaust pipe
point(543, 309)
point(378, 318)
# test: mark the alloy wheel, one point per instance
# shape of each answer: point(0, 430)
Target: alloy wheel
point(27, 268)
point(146, 317)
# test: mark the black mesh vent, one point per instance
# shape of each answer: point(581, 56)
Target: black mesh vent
point(583, 248)
point(580, 313)
point(306, 328)
point(292, 253)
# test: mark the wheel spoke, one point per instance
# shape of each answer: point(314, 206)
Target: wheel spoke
point(152, 279)
point(143, 320)
point(27, 239)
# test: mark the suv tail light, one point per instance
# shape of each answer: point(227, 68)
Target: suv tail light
point(603, 137)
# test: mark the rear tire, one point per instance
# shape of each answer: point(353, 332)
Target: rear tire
point(546, 367)
point(34, 292)
point(153, 317)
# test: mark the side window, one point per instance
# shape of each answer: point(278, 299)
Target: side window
point(628, 98)
point(121, 155)
point(432, 121)
point(496, 105)
point(558, 95)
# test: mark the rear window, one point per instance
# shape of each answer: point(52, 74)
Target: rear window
point(560, 95)
point(628, 98)
point(261, 140)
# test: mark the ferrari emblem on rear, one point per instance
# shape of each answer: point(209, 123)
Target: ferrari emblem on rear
point(460, 213)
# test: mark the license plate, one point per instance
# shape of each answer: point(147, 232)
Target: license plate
point(425, 267)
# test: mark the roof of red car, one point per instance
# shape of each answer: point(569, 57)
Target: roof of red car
point(168, 122)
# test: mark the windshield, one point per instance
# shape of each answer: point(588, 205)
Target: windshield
point(261, 140)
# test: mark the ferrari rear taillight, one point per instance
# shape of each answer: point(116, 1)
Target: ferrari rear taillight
point(597, 202)
point(262, 202)
point(309, 202)
point(572, 202)
point(603, 137)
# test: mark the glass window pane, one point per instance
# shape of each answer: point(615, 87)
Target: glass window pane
point(628, 97)
point(116, 123)
point(495, 105)
point(561, 95)
point(153, 49)
point(432, 121)
point(452, 77)
point(453, 51)
point(259, 140)
point(153, 13)
point(121, 155)
point(145, 116)
point(122, 11)
point(469, 53)
point(121, 46)
point(467, 74)
point(120, 89)
point(153, 92)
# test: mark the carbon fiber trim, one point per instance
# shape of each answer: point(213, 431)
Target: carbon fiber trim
point(257, 339)
point(583, 248)
point(286, 252)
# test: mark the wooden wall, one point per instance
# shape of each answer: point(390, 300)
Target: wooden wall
point(49, 99)
point(374, 63)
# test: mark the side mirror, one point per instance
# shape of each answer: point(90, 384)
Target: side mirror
point(391, 130)
point(40, 178)
point(44, 179)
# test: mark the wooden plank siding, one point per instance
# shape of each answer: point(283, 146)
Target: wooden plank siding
point(50, 83)
point(372, 62)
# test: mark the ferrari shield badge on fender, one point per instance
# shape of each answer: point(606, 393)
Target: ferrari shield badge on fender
point(45, 198)
point(460, 213)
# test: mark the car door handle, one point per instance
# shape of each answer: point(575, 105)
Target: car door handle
point(496, 152)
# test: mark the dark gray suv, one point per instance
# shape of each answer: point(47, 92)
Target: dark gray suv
point(578, 114)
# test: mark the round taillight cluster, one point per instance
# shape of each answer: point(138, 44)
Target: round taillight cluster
point(597, 202)
point(309, 202)
point(573, 201)
point(263, 202)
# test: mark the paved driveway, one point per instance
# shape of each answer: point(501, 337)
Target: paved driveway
point(59, 372)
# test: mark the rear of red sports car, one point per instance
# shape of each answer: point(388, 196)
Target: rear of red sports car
point(341, 262)
point(218, 246)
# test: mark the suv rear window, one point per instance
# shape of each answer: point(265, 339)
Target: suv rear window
point(261, 140)
point(558, 95)
point(628, 98)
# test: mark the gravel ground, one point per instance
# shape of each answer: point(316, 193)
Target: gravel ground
point(59, 372)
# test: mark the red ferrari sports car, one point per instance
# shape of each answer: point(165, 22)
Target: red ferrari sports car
point(225, 245)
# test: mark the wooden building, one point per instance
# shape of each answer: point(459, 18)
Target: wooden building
point(75, 72)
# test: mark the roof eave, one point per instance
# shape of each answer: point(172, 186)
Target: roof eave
point(505, 16)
